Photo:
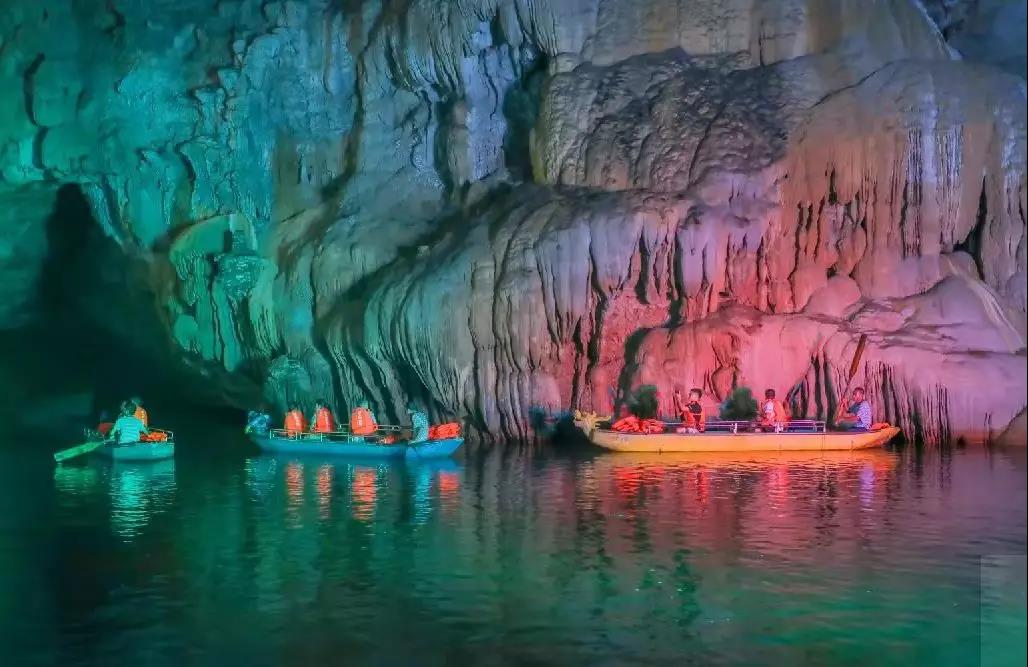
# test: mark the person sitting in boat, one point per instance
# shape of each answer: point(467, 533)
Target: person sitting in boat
point(128, 428)
point(140, 411)
point(772, 414)
point(694, 420)
point(857, 415)
point(258, 421)
point(295, 423)
point(324, 421)
point(362, 421)
point(419, 423)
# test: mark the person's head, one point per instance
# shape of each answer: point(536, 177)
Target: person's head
point(858, 394)
point(293, 407)
point(320, 403)
point(411, 407)
point(364, 404)
point(128, 408)
point(769, 394)
point(695, 394)
point(104, 415)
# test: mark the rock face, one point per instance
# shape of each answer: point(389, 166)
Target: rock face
point(500, 207)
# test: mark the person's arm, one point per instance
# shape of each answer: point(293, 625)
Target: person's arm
point(677, 399)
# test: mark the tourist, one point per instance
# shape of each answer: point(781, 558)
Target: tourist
point(772, 413)
point(362, 420)
point(295, 423)
point(857, 416)
point(324, 421)
point(128, 428)
point(258, 421)
point(139, 411)
point(419, 423)
point(693, 417)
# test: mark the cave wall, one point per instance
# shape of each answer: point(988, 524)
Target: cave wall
point(498, 207)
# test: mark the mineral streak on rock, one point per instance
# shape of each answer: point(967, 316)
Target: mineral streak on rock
point(499, 207)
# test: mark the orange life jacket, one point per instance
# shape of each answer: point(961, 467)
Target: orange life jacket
point(361, 422)
point(779, 414)
point(324, 422)
point(142, 416)
point(295, 423)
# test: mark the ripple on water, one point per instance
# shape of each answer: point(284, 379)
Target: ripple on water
point(842, 559)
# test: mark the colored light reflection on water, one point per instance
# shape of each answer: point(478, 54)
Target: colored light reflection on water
point(846, 559)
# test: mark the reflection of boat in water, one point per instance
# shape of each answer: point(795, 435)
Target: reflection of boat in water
point(138, 491)
point(812, 439)
point(355, 448)
point(877, 458)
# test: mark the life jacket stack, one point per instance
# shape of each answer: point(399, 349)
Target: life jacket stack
point(633, 424)
point(444, 431)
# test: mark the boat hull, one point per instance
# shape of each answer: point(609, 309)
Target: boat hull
point(141, 451)
point(741, 442)
point(433, 449)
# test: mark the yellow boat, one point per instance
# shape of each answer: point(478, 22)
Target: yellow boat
point(735, 437)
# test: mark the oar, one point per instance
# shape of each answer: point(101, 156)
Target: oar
point(854, 365)
point(77, 450)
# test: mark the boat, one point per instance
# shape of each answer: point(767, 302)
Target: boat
point(140, 451)
point(344, 444)
point(137, 451)
point(733, 436)
point(876, 457)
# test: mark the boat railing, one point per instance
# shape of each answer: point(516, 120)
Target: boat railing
point(342, 435)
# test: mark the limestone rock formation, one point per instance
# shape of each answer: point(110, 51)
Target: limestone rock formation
point(501, 207)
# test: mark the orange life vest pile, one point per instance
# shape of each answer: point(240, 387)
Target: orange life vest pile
point(633, 424)
point(444, 431)
point(155, 436)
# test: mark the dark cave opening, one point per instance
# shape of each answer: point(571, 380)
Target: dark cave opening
point(94, 338)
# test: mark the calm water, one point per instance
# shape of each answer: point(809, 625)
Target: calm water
point(228, 557)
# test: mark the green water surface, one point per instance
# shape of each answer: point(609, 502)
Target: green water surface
point(228, 557)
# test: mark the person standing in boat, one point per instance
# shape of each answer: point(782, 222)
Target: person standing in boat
point(295, 423)
point(258, 421)
point(362, 420)
point(693, 417)
point(324, 421)
point(772, 414)
point(856, 417)
point(419, 423)
point(140, 412)
point(128, 428)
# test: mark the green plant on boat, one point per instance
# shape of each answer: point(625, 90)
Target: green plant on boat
point(643, 402)
point(739, 406)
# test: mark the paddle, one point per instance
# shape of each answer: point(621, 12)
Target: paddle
point(854, 365)
point(77, 450)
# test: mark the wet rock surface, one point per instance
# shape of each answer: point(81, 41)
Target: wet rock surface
point(499, 208)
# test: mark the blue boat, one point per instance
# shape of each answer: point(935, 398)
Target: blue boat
point(355, 447)
point(137, 451)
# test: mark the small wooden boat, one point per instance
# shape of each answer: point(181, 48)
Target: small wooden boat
point(798, 436)
point(137, 451)
point(154, 450)
point(343, 444)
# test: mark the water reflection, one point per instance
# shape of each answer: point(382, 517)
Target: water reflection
point(564, 560)
point(136, 491)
